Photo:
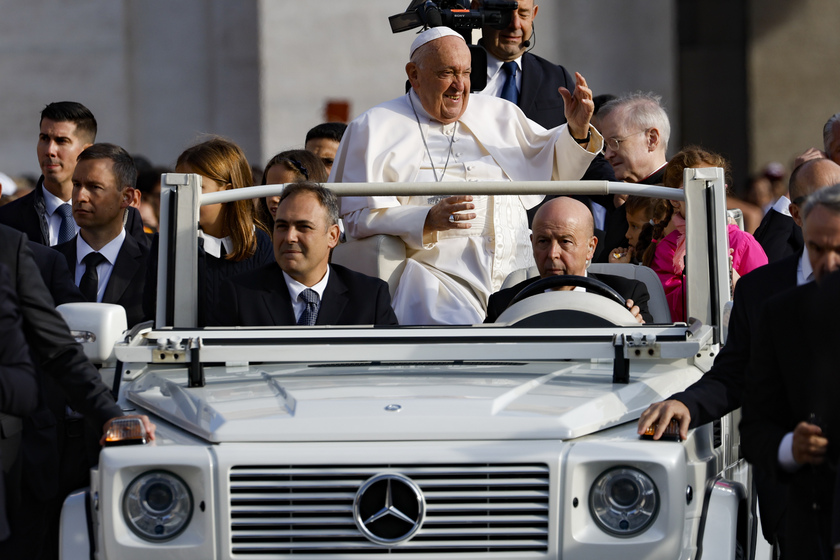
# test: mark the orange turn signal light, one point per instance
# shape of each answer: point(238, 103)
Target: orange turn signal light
point(672, 432)
point(126, 431)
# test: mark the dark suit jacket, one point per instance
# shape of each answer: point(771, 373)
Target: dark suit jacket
point(627, 288)
point(792, 376)
point(128, 278)
point(28, 214)
point(56, 275)
point(261, 298)
point(59, 359)
point(721, 389)
point(18, 388)
point(779, 236)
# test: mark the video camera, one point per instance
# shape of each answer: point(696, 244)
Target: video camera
point(457, 15)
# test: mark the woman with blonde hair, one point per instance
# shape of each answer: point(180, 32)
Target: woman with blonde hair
point(666, 255)
point(232, 239)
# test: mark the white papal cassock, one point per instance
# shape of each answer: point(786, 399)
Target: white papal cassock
point(450, 275)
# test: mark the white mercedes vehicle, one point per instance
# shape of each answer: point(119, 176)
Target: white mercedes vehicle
point(513, 440)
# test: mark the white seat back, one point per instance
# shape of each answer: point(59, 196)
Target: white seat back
point(380, 256)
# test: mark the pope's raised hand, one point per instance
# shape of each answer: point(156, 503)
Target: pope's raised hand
point(579, 107)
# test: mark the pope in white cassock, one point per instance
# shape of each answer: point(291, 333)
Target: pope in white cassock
point(460, 248)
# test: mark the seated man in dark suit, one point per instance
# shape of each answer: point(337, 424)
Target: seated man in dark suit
point(108, 265)
point(563, 241)
point(302, 288)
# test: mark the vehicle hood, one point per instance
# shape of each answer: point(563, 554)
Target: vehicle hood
point(312, 402)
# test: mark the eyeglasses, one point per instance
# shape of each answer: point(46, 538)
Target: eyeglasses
point(615, 143)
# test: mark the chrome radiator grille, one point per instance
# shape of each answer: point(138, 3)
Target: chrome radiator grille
point(298, 510)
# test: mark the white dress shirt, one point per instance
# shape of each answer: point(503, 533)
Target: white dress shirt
point(782, 206)
point(496, 77)
point(103, 271)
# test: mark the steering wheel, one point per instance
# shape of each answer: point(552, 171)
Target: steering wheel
point(600, 305)
point(549, 282)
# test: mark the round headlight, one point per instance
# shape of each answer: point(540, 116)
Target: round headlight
point(624, 501)
point(157, 505)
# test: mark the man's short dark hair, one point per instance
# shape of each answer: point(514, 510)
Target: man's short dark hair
point(328, 130)
point(325, 197)
point(76, 113)
point(124, 168)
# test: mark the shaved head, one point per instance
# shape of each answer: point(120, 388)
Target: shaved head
point(565, 209)
point(808, 178)
point(813, 175)
point(563, 237)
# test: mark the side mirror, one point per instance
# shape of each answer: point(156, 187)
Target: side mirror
point(97, 327)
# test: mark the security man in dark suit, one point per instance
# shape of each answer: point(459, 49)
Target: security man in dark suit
point(527, 79)
point(564, 242)
point(532, 82)
point(721, 389)
point(18, 396)
point(780, 234)
point(108, 265)
point(789, 418)
point(45, 214)
point(59, 360)
point(302, 288)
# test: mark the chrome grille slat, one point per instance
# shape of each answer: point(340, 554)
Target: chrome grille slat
point(365, 546)
point(304, 510)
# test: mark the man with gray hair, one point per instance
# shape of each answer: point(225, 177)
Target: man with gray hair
point(302, 287)
point(790, 409)
point(460, 248)
point(636, 130)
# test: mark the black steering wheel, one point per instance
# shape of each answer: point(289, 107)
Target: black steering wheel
point(549, 282)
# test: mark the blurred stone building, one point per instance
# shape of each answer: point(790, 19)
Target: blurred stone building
point(755, 80)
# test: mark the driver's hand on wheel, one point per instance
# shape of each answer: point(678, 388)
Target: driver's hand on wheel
point(634, 309)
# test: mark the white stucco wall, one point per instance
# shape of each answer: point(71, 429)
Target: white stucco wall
point(159, 73)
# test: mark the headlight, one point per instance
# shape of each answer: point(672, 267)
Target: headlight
point(624, 501)
point(157, 505)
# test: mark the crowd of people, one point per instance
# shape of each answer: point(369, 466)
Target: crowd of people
point(86, 232)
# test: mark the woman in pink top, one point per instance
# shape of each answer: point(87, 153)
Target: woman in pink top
point(666, 255)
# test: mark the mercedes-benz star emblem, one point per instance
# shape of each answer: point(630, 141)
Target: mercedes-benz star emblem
point(389, 509)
